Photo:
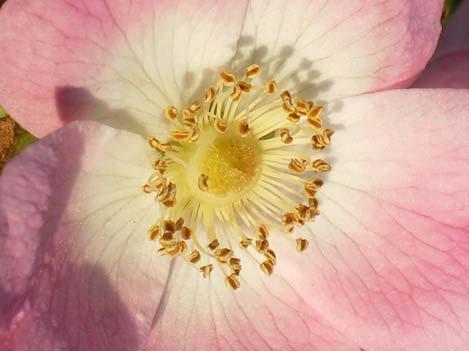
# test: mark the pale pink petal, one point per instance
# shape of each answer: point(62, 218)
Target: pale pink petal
point(447, 71)
point(120, 62)
point(388, 263)
point(77, 271)
point(265, 313)
point(328, 49)
point(392, 241)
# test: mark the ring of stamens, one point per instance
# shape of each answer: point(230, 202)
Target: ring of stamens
point(236, 167)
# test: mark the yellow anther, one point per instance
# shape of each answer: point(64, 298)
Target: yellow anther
point(146, 188)
point(206, 270)
point(267, 267)
point(301, 244)
point(246, 242)
point(154, 231)
point(194, 256)
point(213, 244)
point(321, 166)
point(180, 135)
point(227, 78)
point(171, 113)
point(270, 87)
point(236, 93)
point(262, 231)
point(210, 94)
point(203, 182)
point(220, 126)
point(298, 165)
point(186, 232)
point(243, 127)
point(245, 87)
point(285, 136)
point(232, 281)
point(252, 71)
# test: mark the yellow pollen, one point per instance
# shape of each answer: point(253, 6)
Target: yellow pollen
point(231, 164)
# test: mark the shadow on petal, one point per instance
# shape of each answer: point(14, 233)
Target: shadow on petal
point(78, 103)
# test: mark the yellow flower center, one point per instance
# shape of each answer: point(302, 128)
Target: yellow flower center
point(231, 164)
point(235, 170)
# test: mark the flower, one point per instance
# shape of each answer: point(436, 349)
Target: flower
point(387, 260)
point(449, 67)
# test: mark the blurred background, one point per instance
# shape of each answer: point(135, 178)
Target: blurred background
point(13, 138)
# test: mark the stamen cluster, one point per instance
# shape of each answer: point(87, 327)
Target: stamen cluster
point(237, 168)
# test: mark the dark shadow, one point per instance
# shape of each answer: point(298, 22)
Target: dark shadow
point(77, 103)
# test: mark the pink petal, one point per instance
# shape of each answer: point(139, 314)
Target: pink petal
point(388, 265)
point(120, 62)
point(265, 313)
point(330, 49)
point(393, 234)
point(76, 269)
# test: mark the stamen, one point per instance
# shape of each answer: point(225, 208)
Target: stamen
point(237, 170)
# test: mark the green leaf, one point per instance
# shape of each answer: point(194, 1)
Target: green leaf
point(23, 139)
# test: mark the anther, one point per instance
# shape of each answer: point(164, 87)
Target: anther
point(227, 78)
point(294, 117)
point(252, 71)
point(224, 254)
point(210, 94)
point(320, 140)
point(179, 224)
point(301, 244)
point(186, 232)
point(171, 113)
point(203, 182)
point(243, 127)
point(154, 232)
point(321, 166)
point(160, 166)
point(146, 188)
point(167, 195)
point(267, 267)
point(206, 270)
point(312, 186)
point(314, 116)
point(213, 245)
point(232, 281)
point(220, 126)
point(262, 245)
point(285, 136)
point(246, 242)
point(194, 256)
point(270, 87)
point(195, 107)
point(180, 135)
point(270, 255)
point(298, 165)
point(263, 231)
point(236, 93)
point(245, 87)
point(285, 96)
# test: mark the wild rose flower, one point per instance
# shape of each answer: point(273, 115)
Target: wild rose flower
point(307, 240)
point(449, 67)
